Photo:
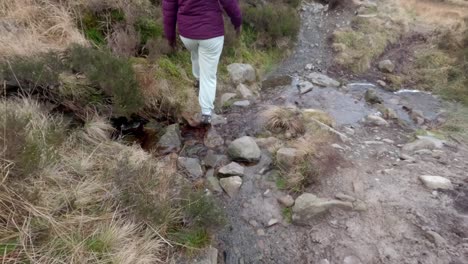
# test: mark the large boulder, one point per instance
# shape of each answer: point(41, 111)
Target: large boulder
point(231, 185)
point(241, 73)
point(190, 166)
point(322, 80)
point(170, 141)
point(436, 182)
point(375, 120)
point(232, 169)
point(307, 206)
point(244, 149)
point(289, 157)
point(386, 66)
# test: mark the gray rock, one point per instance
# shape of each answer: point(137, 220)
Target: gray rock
point(307, 206)
point(351, 260)
point(381, 83)
point(376, 120)
point(213, 139)
point(190, 166)
point(309, 67)
point(272, 222)
point(212, 160)
point(289, 157)
point(227, 97)
point(386, 66)
point(438, 143)
point(213, 182)
point(286, 200)
point(436, 182)
point(305, 87)
point(241, 73)
point(232, 169)
point(423, 152)
point(244, 149)
point(218, 120)
point(423, 143)
point(322, 80)
point(389, 113)
point(231, 185)
point(324, 261)
point(345, 197)
point(170, 141)
point(243, 103)
point(372, 97)
point(244, 91)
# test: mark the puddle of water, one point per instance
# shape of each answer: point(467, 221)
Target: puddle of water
point(348, 106)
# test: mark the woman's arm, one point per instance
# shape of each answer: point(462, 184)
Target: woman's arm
point(170, 8)
point(232, 9)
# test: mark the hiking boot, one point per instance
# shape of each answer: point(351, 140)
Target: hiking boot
point(206, 119)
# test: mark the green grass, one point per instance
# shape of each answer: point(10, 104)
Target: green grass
point(287, 214)
point(191, 238)
point(148, 29)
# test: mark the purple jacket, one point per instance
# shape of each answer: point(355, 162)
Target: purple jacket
point(198, 19)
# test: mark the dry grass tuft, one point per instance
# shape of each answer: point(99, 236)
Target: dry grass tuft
point(320, 160)
point(284, 120)
point(30, 27)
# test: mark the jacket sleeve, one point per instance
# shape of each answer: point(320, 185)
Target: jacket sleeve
point(170, 8)
point(232, 9)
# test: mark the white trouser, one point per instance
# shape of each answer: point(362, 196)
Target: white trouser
point(205, 59)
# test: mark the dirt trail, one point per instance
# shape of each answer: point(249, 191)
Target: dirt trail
point(404, 222)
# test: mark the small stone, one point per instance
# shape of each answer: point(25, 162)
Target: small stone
point(376, 120)
point(244, 91)
point(381, 83)
point(324, 261)
point(253, 223)
point(349, 130)
point(388, 141)
point(272, 222)
point(345, 197)
point(232, 169)
point(260, 232)
point(309, 67)
point(267, 193)
point(213, 139)
point(436, 182)
point(231, 185)
point(386, 66)
point(227, 97)
point(213, 182)
point(305, 87)
point(336, 146)
point(322, 80)
point(406, 157)
point(359, 205)
point(286, 200)
point(170, 141)
point(190, 166)
point(243, 103)
point(244, 149)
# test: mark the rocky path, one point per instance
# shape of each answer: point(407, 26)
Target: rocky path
point(379, 206)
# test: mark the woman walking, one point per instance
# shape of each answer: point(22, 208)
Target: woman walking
point(201, 28)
